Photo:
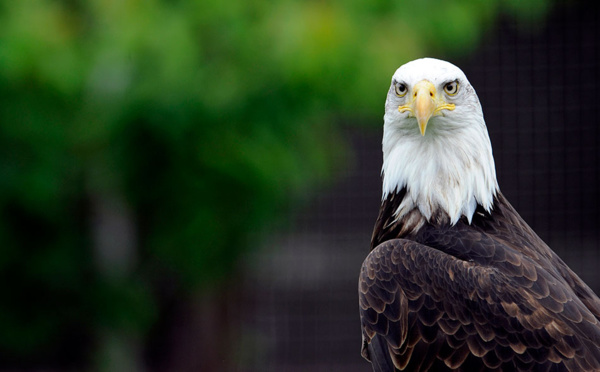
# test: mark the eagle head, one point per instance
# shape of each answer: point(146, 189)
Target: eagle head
point(435, 143)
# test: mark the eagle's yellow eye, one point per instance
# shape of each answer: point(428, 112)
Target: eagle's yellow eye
point(451, 88)
point(401, 89)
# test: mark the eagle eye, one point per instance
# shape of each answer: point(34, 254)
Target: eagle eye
point(451, 88)
point(401, 89)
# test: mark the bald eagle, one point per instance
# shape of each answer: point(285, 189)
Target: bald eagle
point(456, 279)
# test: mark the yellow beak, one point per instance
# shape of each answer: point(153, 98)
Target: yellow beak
point(425, 103)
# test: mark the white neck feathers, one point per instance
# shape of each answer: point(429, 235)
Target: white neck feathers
point(449, 170)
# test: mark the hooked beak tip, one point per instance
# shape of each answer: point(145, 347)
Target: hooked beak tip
point(423, 126)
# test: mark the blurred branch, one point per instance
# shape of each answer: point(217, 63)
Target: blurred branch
point(115, 254)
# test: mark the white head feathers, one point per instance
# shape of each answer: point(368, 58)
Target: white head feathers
point(450, 168)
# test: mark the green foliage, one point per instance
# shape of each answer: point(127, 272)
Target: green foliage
point(205, 116)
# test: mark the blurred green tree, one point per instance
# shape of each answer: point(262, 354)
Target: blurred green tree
point(141, 143)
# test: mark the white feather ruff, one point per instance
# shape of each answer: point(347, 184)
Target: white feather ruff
point(451, 168)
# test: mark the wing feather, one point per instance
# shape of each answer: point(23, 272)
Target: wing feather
point(434, 306)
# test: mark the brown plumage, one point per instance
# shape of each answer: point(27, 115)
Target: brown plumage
point(479, 294)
